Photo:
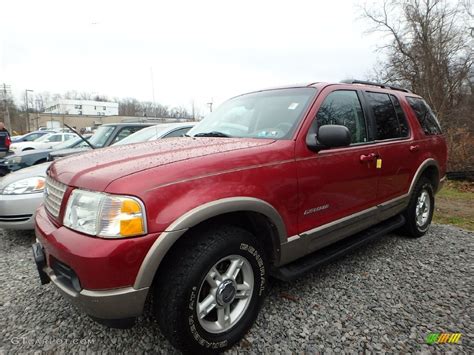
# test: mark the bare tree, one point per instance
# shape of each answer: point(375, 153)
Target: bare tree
point(428, 49)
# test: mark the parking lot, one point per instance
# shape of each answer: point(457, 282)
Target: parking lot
point(387, 296)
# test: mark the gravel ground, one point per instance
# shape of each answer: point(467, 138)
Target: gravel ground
point(386, 296)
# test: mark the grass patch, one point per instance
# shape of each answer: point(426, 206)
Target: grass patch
point(457, 221)
point(457, 190)
point(455, 205)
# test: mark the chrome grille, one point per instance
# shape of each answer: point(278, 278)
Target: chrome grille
point(54, 193)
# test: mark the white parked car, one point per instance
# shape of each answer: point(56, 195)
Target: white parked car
point(47, 141)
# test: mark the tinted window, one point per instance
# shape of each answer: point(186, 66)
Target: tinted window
point(177, 133)
point(402, 120)
point(425, 116)
point(386, 120)
point(343, 108)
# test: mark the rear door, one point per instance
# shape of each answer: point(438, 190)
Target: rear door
point(396, 153)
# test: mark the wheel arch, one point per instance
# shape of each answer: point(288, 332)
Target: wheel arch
point(253, 214)
point(430, 169)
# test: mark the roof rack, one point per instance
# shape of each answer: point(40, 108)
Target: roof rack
point(383, 86)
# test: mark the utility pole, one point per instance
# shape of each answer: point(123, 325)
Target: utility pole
point(27, 112)
point(5, 92)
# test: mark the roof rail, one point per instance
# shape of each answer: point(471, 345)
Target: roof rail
point(383, 86)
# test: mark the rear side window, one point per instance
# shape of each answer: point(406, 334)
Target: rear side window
point(343, 108)
point(388, 123)
point(425, 116)
point(55, 138)
point(402, 119)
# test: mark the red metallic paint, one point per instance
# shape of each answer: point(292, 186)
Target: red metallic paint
point(98, 263)
point(172, 177)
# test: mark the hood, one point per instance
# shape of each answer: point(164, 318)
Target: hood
point(32, 171)
point(96, 169)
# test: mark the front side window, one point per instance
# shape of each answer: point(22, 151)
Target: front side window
point(271, 114)
point(125, 132)
point(101, 136)
point(343, 108)
point(425, 116)
point(386, 120)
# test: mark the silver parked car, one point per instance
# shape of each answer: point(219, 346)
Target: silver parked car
point(21, 192)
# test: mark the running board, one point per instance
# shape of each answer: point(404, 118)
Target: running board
point(299, 267)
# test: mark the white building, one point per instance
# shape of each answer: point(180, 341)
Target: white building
point(83, 107)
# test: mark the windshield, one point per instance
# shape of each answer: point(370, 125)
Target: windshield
point(101, 136)
point(271, 114)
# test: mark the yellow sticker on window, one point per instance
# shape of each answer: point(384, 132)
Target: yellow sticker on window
point(379, 163)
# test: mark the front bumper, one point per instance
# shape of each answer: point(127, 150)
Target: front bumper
point(109, 304)
point(105, 269)
point(17, 211)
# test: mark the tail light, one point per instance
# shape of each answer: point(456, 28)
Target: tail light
point(8, 142)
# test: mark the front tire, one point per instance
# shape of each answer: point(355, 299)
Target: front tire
point(420, 209)
point(210, 290)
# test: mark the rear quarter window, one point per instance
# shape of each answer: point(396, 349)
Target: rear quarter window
point(425, 116)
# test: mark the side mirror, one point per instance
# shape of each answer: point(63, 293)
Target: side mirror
point(329, 136)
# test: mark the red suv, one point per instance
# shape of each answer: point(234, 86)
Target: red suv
point(273, 183)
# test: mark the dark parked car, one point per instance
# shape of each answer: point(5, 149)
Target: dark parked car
point(28, 158)
point(106, 135)
point(4, 143)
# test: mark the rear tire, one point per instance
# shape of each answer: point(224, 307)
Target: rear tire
point(210, 289)
point(420, 209)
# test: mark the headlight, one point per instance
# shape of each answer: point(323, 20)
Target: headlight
point(104, 215)
point(25, 186)
point(14, 160)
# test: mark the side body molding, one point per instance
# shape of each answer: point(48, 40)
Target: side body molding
point(197, 215)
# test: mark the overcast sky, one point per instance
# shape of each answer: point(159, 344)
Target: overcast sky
point(201, 50)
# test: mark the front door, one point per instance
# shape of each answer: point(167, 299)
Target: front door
point(337, 184)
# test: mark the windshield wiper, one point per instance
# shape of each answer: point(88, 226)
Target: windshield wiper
point(212, 134)
point(80, 136)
